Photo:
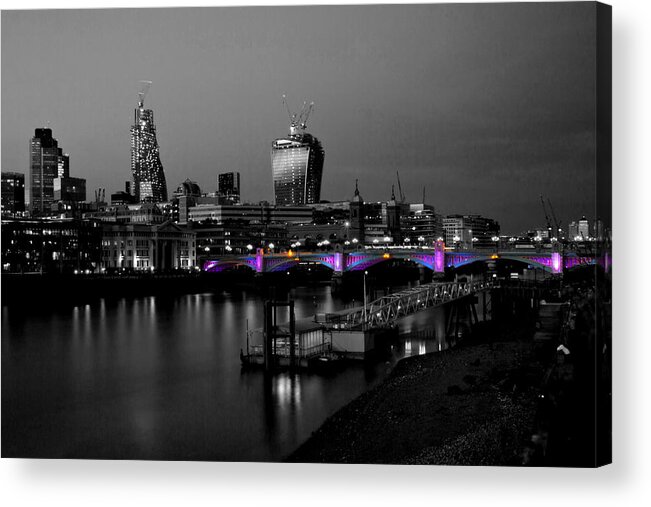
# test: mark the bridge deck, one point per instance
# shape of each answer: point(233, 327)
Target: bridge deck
point(385, 310)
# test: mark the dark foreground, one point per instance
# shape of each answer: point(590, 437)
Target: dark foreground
point(508, 399)
point(473, 405)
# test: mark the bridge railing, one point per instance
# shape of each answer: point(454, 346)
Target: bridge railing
point(386, 309)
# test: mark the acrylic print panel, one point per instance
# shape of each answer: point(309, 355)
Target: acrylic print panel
point(343, 234)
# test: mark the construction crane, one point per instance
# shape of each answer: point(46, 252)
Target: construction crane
point(402, 196)
point(557, 224)
point(298, 120)
point(305, 114)
point(144, 88)
point(549, 224)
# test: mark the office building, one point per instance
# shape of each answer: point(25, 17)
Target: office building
point(229, 187)
point(470, 231)
point(297, 164)
point(584, 229)
point(44, 168)
point(63, 164)
point(422, 225)
point(263, 213)
point(69, 190)
point(149, 183)
point(50, 246)
point(13, 193)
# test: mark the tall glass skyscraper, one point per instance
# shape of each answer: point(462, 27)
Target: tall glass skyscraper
point(147, 171)
point(297, 165)
point(44, 168)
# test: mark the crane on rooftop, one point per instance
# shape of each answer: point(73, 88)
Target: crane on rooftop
point(298, 120)
point(144, 88)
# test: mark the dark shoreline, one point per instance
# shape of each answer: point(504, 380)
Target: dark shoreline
point(509, 395)
point(474, 404)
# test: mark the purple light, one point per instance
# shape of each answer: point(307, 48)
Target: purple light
point(439, 261)
point(338, 261)
point(259, 262)
point(209, 265)
point(557, 264)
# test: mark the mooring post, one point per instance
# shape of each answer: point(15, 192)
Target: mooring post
point(292, 335)
point(268, 336)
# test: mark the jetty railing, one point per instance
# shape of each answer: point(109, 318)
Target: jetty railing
point(385, 310)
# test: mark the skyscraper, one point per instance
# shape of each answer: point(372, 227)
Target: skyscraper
point(44, 167)
point(147, 171)
point(229, 187)
point(63, 164)
point(297, 163)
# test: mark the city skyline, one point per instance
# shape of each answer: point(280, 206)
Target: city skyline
point(437, 117)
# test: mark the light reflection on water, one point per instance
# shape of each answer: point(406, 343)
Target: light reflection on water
point(159, 378)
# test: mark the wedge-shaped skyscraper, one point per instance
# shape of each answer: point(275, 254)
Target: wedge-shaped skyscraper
point(147, 171)
point(297, 163)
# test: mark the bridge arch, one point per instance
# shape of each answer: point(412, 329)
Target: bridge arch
point(544, 262)
point(217, 266)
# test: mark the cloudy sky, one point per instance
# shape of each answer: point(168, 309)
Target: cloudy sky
point(486, 106)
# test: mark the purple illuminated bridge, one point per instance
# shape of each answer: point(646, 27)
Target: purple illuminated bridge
point(436, 259)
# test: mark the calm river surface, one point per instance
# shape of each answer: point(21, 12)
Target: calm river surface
point(160, 378)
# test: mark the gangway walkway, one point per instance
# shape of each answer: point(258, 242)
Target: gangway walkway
point(384, 311)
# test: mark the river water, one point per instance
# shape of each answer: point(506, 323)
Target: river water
point(160, 378)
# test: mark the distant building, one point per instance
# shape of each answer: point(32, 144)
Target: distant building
point(63, 164)
point(573, 231)
point(147, 213)
point(229, 187)
point(44, 168)
point(584, 229)
point(13, 193)
point(70, 190)
point(121, 198)
point(143, 247)
point(50, 246)
point(237, 238)
point(393, 212)
point(357, 232)
point(188, 188)
point(220, 213)
point(149, 183)
point(470, 231)
point(422, 226)
point(297, 165)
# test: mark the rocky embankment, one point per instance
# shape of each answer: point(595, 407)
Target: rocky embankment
point(471, 405)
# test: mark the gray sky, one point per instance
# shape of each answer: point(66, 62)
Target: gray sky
point(487, 105)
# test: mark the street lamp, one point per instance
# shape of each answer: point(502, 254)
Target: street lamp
point(249, 247)
point(271, 246)
point(364, 323)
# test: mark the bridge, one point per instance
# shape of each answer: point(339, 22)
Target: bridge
point(387, 309)
point(436, 259)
